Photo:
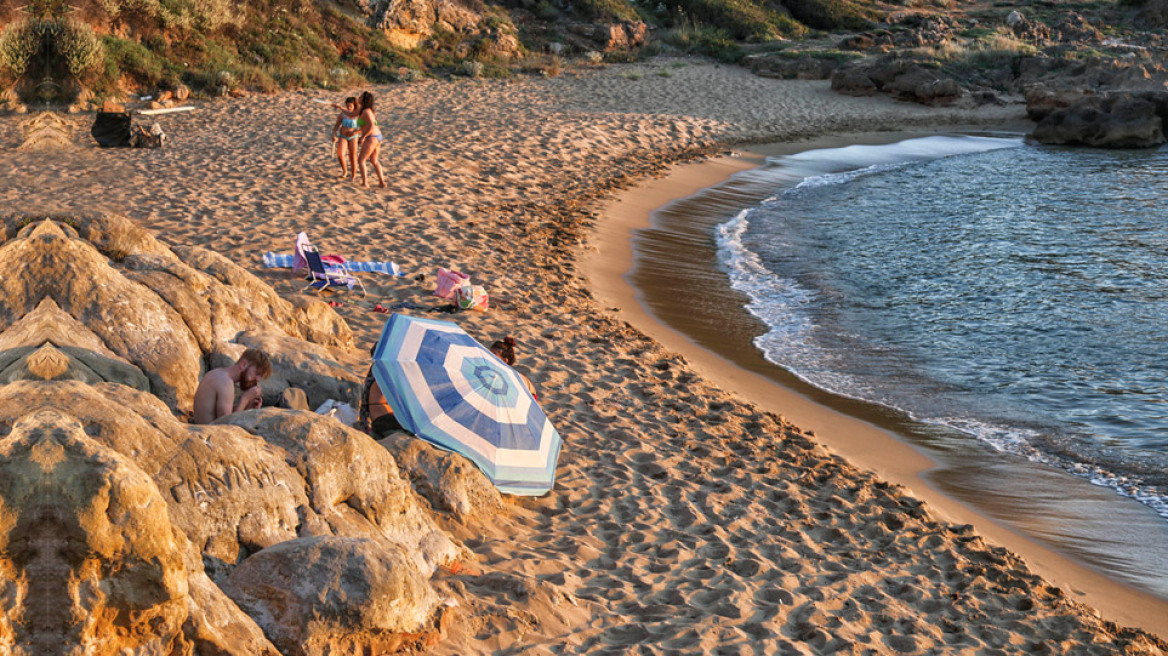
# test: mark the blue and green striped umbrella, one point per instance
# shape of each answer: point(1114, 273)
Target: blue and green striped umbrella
point(448, 389)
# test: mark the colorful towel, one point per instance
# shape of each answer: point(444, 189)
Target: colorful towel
point(288, 260)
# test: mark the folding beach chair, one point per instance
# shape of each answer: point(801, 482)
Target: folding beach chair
point(332, 275)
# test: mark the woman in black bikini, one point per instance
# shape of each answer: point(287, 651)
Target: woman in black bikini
point(370, 140)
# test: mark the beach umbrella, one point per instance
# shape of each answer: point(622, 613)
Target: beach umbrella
point(448, 389)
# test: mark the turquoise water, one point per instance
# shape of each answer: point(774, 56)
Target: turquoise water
point(1014, 293)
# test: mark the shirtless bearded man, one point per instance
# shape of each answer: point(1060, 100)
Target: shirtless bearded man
point(215, 396)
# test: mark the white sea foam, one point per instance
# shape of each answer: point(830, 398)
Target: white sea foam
point(784, 306)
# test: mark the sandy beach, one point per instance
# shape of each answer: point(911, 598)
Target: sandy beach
point(693, 511)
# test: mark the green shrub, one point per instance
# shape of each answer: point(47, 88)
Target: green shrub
point(605, 11)
point(18, 43)
point(832, 14)
point(81, 49)
point(710, 42)
point(134, 60)
point(742, 20)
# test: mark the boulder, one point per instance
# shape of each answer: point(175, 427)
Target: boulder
point(119, 522)
point(106, 286)
point(608, 37)
point(1041, 101)
point(859, 42)
point(1116, 121)
point(330, 595)
point(806, 67)
point(450, 482)
point(925, 86)
point(353, 485)
point(407, 24)
point(91, 558)
point(1072, 27)
point(852, 81)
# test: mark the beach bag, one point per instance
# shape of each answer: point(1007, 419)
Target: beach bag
point(472, 297)
point(111, 129)
point(448, 281)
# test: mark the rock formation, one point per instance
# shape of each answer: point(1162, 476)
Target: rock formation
point(903, 79)
point(1121, 120)
point(106, 286)
point(124, 529)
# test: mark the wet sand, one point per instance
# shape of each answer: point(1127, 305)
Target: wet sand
point(657, 238)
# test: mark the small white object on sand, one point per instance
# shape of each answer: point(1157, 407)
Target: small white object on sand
point(165, 110)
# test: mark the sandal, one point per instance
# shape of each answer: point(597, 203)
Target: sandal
point(380, 310)
point(335, 304)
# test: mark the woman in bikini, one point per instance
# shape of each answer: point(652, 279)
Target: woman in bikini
point(345, 136)
point(370, 140)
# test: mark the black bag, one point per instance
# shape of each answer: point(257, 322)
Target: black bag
point(112, 129)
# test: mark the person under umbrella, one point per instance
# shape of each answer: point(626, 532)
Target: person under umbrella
point(450, 390)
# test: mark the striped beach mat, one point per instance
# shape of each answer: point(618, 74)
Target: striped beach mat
point(286, 261)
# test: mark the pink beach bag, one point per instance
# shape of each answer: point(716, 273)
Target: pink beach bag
point(449, 281)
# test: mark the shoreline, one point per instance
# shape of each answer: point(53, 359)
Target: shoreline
point(610, 258)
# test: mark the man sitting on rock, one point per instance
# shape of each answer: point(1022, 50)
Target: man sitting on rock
point(215, 396)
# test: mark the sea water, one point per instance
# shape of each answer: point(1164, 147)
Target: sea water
point(1015, 294)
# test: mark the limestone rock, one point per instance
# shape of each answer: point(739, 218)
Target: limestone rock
point(852, 81)
point(118, 522)
point(293, 398)
point(806, 67)
point(320, 372)
point(900, 78)
point(1116, 121)
point(925, 86)
point(353, 485)
point(328, 595)
point(449, 481)
point(1041, 101)
point(407, 24)
point(91, 558)
point(608, 37)
point(106, 286)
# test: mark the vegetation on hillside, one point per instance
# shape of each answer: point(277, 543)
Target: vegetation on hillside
point(108, 46)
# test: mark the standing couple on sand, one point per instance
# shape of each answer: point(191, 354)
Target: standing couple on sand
point(358, 138)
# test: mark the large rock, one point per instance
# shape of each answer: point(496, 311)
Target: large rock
point(119, 522)
point(806, 67)
point(407, 24)
point(925, 86)
point(353, 485)
point(853, 81)
point(607, 37)
point(329, 595)
point(450, 482)
point(900, 78)
point(1041, 101)
point(106, 286)
point(91, 558)
point(1116, 121)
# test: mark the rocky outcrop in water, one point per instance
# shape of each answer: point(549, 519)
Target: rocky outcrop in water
point(1120, 120)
